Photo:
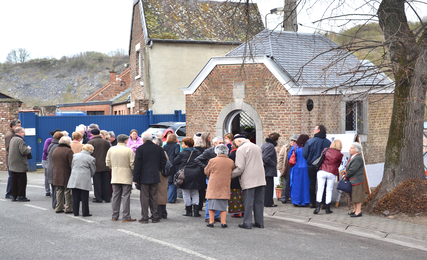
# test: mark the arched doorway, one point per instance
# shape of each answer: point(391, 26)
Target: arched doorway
point(240, 116)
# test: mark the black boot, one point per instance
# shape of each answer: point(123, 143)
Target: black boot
point(328, 209)
point(317, 208)
point(159, 211)
point(196, 211)
point(164, 214)
point(187, 211)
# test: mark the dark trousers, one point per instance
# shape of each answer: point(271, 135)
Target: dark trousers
point(148, 198)
point(285, 189)
point(254, 201)
point(202, 195)
point(53, 195)
point(102, 186)
point(19, 184)
point(83, 196)
point(9, 183)
point(312, 175)
point(269, 189)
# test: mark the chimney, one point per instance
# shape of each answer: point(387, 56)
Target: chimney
point(290, 22)
point(113, 75)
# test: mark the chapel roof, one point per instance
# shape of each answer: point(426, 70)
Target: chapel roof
point(199, 21)
point(312, 60)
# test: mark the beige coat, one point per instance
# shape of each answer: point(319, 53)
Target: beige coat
point(76, 146)
point(162, 191)
point(120, 159)
point(219, 171)
point(249, 166)
point(282, 160)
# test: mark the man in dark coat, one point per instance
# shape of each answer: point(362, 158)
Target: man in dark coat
point(101, 178)
point(269, 158)
point(9, 135)
point(18, 165)
point(149, 160)
point(312, 150)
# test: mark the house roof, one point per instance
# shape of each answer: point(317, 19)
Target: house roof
point(4, 96)
point(106, 86)
point(198, 21)
point(305, 64)
point(122, 97)
point(313, 61)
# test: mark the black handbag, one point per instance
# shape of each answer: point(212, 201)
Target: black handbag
point(344, 185)
point(318, 162)
point(179, 177)
point(167, 170)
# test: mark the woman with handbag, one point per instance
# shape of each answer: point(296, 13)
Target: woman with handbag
point(355, 173)
point(300, 182)
point(328, 172)
point(191, 185)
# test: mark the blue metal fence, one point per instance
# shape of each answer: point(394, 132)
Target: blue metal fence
point(120, 124)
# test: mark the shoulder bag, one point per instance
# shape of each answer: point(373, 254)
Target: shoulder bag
point(167, 170)
point(318, 162)
point(293, 158)
point(180, 175)
point(344, 185)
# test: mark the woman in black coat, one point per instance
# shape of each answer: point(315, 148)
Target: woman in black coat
point(191, 185)
point(198, 144)
point(172, 149)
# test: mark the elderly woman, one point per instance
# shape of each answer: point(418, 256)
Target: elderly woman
point(328, 172)
point(219, 172)
point(82, 169)
point(76, 144)
point(162, 190)
point(356, 174)
point(105, 135)
point(134, 140)
point(191, 185)
point(172, 150)
point(62, 158)
point(53, 145)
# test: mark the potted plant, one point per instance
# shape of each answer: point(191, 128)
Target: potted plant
point(279, 188)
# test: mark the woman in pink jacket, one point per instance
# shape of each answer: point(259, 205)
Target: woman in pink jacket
point(134, 140)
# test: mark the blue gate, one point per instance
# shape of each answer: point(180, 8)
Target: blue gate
point(40, 126)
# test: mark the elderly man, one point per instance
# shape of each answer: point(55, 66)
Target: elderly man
point(249, 166)
point(101, 178)
point(112, 138)
point(120, 159)
point(312, 150)
point(284, 168)
point(149, 160)
point(18, 165)
point(9, 135)
point(203, 160)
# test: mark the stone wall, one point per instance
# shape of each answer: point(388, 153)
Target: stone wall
point(8, 111)
point(137, 37)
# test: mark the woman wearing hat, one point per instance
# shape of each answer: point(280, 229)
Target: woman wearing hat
point(284, 167)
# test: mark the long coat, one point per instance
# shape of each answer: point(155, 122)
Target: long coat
point(192, 171)
point(121, 161)
point(162, 190)
point(355, 170)
point(219, 172)
point(269, 158)
point(82, 169)
point(53, 145)
point(149, 160)
point(9, 135)
point(62, 158)
point(18, 152)
point(249, 165)
point(100, 150)
point(172, 150)
point(76, 146)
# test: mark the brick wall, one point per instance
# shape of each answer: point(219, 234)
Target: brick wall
point(105, 108)
point(137, 37)
point(8, 112)
point(113, 88)
point(279, 111)
point(120, 109)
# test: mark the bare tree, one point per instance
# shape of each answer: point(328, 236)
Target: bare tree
point(18, 56)
point(23, 55)
point(12, 56)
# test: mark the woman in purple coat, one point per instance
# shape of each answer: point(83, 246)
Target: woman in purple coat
point(134, 140)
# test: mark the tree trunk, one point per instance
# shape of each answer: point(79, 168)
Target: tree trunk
point(404, 151)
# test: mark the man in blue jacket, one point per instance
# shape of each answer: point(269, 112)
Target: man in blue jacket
point(312, 150)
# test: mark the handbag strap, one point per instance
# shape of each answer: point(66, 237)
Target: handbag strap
point(189, 157)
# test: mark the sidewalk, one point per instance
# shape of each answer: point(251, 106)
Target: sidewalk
point(375, 227)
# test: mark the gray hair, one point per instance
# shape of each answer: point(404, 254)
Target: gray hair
point(65, 140)
point(221, 149)
point(146, 136)
point(158, 141)
point(111, 133)
point(88, 148)
point(19, 129)
point(357, 146)
point(159, 134)
point(216, 139)
point(65, 133)
point(92, 126)
point(198, 142)
point(122, 138)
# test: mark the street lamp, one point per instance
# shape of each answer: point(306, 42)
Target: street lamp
point(277, 10)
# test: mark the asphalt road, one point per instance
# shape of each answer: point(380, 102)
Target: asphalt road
point(34, 231)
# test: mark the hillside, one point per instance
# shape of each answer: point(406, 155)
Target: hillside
point(42, 82)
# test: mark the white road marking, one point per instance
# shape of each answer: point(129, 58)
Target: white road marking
point(35, 186)
point(82, 219)
point(32, 206)
point(188, 251)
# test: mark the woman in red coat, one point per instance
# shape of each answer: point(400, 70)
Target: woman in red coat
point(328, 172)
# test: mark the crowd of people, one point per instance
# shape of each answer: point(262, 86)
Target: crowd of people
point(223, 174)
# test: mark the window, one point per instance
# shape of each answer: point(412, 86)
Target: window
point(95, 113)
point(354, 117)
point(181, 131)
point(138, 61)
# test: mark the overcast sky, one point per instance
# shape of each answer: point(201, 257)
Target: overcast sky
point(56, 28)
